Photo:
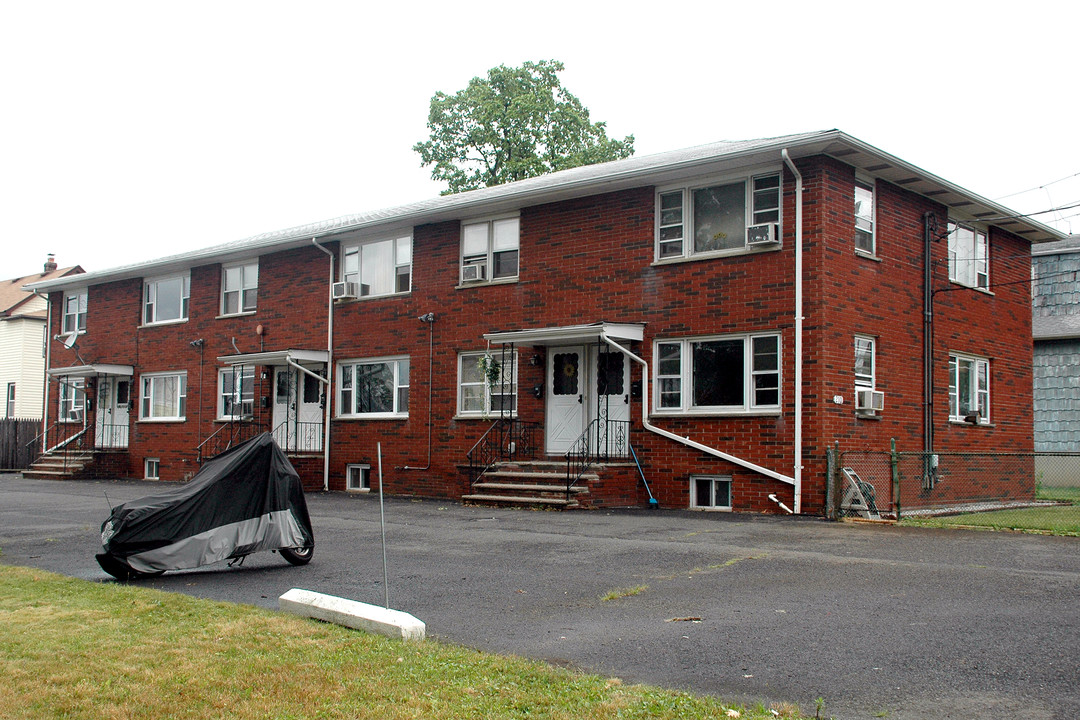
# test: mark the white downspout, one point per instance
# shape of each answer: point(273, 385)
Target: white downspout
point(329, 366)
point(798, 327)
point(672, 436)
point(45, 380)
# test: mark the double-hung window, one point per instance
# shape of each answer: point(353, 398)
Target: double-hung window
point(72, 399)
point(704, 220)
point(487, 384)
point(373, 388)
point(718, 374)
point(166, 299)
point(489, 249)
point(379, 267)
point(74, 312)
point(239, 288)
point(164, 396)
point(864, 362)
point(10, 409)
point(236, 392)
point(969, 257)
point(864, 217)
point(969, 389)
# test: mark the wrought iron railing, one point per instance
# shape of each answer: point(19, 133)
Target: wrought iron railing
point(230, 434)
point(508, 439)
point(603, 440)
point(111, 436)
point(60, 438)
point(299, 437)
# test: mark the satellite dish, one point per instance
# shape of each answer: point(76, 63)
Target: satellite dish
point(70, 340)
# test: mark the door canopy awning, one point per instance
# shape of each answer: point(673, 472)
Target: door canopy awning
point(569, 334)
point(275, 357)
point(92, 370)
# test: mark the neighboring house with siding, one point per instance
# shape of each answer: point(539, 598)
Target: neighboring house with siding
point(719, 316)
point(22, 343)
point(1055, 272)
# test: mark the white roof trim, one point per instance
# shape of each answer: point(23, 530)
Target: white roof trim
point(275, 357)
point(93, 369)
point(569, 334)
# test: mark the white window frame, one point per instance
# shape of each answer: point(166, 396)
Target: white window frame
point(714, 481)
point(74, 321)
point(151, 468)
point(978, 387)
point(353, 268)
point(346, 387)
point(864, 381)
point(680, 384)
point(470, 361)
point(228, 392)
point(151, 304)
point(503, 236)
point(866, 218)
point(674, 225)
point(363, 477)
point(72, 399)
point(246, 292)
point(969, 256)
point(147, 384)
point(9, 406)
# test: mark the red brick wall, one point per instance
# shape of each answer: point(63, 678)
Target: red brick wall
point(591, 259)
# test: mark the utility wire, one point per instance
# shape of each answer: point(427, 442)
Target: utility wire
point(1040, 187)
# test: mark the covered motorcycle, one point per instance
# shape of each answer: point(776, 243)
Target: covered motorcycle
point(242, 501)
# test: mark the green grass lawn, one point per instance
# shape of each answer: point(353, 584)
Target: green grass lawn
point(1053, 520)
point(77, 649)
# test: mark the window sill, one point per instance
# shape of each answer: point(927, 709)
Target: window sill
point(364, 298)
point(371, 417)
point(984, 291)
point(246, 313)
point(162, 323)
point(868, 256)
point(162, 420)
point(699, 508)
point(715, 413)
point(223, 420)
point(955, 421)
point(734, 252)
point(487, 283)
point(490, 417)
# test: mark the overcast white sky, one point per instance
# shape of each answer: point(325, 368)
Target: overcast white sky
point(135, 130)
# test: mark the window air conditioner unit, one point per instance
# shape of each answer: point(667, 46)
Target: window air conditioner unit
point(344, 290)
point(472, 273)
point(872, 400)
point(763, 235)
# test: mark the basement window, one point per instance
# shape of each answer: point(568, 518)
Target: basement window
point(710, 492)
point(358, 478)
point(152, 469)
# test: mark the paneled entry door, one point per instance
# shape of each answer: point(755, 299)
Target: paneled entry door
point(585, 383)
point(298, 412)
point(566, 388)
point(113, 398)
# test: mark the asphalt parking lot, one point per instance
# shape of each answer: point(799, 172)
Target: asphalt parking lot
point(878, 621)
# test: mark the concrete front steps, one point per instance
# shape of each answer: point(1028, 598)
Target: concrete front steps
point(537, 484)
point(59, 466)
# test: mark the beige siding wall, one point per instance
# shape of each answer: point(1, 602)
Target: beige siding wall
point(21, 362)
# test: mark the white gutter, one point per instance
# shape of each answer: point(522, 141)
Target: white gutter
point(798, 328)
point(672, 436)
point(329, 366)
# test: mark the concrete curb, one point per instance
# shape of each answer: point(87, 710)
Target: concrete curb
point(350, 613)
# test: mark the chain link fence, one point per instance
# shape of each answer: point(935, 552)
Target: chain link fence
point(1037, 491)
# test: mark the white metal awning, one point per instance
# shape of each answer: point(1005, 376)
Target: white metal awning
point(568, 334)
point(275, 357)
point(92, 370)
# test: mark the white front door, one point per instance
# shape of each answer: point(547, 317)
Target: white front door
point(298, 416)
point(566, 388)
point(111, 425)
point(610, 401)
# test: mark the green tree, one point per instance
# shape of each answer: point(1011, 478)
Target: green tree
point(517, 123)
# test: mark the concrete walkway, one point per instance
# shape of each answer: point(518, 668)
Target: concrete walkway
point(879, 621)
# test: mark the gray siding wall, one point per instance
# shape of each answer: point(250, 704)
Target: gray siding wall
point(1056, 366)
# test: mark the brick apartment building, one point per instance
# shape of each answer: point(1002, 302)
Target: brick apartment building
point(640, 326)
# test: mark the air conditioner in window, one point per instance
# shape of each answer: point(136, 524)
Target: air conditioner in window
point(869, 400)
point(763, 235)
point(472, 273)
point(344, 290)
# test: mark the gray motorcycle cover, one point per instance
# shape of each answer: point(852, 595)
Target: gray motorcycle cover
point(242, 501)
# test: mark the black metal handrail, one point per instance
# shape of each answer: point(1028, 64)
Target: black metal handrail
point(506, 440)
point(603, 439)
point(299, 436)
point(231, 433)
point(59, 436)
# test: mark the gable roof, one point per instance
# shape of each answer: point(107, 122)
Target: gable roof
point(16, 302)
point(635, 171)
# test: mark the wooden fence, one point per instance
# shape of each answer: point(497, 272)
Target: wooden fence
point(15, 436)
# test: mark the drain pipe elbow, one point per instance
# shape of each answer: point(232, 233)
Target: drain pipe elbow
point(782, 505)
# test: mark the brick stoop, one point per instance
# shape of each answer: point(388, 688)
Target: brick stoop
point(536, 484)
